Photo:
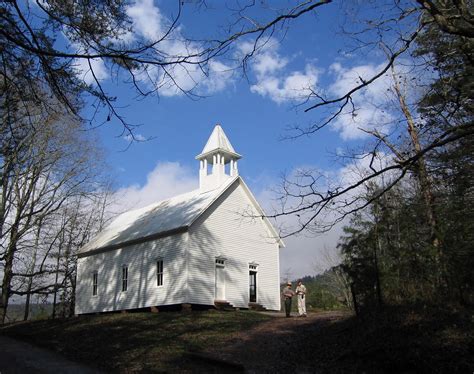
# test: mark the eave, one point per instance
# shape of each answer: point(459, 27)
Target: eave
point(128, 243)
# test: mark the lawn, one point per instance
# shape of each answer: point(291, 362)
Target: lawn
point(136, 341)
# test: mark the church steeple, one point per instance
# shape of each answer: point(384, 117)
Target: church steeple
point(218, 152)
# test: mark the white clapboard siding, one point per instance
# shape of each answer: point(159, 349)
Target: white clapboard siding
point(142, 285)
point(223, 231)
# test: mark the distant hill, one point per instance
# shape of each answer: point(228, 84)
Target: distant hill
point(16, 312)
point(323, 292)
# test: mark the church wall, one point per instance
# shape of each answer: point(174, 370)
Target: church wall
point(142, 290)
point(223, 231)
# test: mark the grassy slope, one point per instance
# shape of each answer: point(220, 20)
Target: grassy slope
point(399, 340)
point(134, 341)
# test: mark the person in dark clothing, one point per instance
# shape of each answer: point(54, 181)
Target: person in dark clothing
point(288, 293)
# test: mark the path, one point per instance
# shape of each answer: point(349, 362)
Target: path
point(273, 346)
point(20, 357)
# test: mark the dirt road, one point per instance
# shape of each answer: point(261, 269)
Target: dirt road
point(20, 357)
point(278, 344)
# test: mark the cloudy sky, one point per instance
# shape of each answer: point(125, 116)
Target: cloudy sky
point(254, 110)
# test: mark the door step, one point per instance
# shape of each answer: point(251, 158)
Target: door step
point(257, 306)
point(223, 305)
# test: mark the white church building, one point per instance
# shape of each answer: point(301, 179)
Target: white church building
point(208, 246)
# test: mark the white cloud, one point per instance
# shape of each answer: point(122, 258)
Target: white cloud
point(304, 254)
point(176, 79)
point(366, 166)
point(166, 180)
point(147, 19)
point(307, 255)
point(83, 70)
point(134, 137)
point(273, 78)
point(150, 25)
point(296, 85)
point(203, 80)
point(220, 77)
point(371, 109)
point(269, 62)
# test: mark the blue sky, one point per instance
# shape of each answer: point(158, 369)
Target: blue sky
point(254, 111)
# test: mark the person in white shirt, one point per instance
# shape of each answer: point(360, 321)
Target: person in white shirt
point(301, 294)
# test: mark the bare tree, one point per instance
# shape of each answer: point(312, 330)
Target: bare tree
point(45, 167)
point(329, 263)
point(95, 36)
point(83, 217)
point(319, 201)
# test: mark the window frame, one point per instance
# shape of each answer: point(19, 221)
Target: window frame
point(253, 276)
point(159, 263)
point(220, 262)
point(124, 278)
point(95, 283)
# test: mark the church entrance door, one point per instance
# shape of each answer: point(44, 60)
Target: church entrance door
point(253, 286)
point(220, 282)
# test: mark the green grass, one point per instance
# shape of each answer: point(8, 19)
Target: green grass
point(135, 341)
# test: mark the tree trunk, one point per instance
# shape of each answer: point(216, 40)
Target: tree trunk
point(354, 300)
point(27, 302)
point(426, 190)
point(6, 283)
point(377, 276)
point(376, 248)
point(56, 283)
point(72, 303)
point(32, 270)
point(422, 173)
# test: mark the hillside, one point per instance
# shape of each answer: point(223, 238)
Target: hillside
point(16, 312)
point(398, 340)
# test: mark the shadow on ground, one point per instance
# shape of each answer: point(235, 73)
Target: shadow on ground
point(395, 341)
point(134, 341)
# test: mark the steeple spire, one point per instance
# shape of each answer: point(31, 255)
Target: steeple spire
point(217, 152)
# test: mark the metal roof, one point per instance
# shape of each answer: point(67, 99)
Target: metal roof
point(161, 219)
point(164, 216)
point(218, 142)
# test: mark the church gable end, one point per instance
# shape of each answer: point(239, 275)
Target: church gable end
point(226, 231)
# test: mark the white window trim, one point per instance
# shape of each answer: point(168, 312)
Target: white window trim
point(95, 285)
point(220, 262)
point(253, 266)
point(122, 278)
point(162, 272)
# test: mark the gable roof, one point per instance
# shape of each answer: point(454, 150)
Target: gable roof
point(166, 217)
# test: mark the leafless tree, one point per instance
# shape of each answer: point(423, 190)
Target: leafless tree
point(317, 201)
point(329, 263)
point(45, 166)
